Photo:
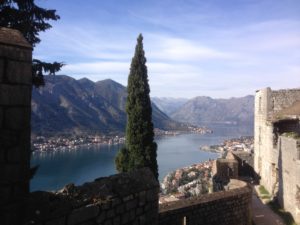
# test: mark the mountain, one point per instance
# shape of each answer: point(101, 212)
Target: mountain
point(201, 110)
point(169, 105)
point(66, 105)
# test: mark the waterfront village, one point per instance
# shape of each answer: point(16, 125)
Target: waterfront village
point(41, 144)
point(197, 179)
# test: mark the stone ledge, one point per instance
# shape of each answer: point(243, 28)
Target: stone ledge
point(13, 37)
point(239, 188)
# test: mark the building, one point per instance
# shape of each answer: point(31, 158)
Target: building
point(277, 145)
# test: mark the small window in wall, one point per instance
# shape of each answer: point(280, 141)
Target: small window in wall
point(259, 135)
point(259, 104)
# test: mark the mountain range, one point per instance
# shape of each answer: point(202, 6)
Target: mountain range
point(169, 105)
point(66, 105)
point(206, 110)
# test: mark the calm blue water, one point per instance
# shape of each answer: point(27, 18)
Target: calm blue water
point(60, 168)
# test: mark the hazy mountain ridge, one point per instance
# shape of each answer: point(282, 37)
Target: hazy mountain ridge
point(169, 105)
point(202, 110)
point(66, 105)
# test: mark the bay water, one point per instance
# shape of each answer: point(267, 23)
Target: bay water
point(56, 169)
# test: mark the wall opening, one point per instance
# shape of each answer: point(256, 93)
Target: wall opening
point(184, 220)
point(259, 104)
point(298, 152)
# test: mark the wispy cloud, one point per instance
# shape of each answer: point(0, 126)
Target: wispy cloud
point(192, 47)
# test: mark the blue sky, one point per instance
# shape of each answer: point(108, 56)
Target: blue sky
point(217, 48)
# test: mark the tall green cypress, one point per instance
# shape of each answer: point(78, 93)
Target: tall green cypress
point(140, 148)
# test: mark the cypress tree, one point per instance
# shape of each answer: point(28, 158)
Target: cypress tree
point(140, 148)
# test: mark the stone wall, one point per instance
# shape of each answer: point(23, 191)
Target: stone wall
point(289, 179)
point(284, 98)
point(275, 155)
point(245, 164)
point(225, 169)
point(232, 207)
point(15, 108)
point(127, 199)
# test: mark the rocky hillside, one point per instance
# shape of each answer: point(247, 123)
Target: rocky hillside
point(202, 110)
point(66, 105)
point(169, 105)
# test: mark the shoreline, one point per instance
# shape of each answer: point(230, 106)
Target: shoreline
point(243, 143)
point(42, 144)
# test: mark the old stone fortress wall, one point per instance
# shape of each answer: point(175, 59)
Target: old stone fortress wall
point(277, 145)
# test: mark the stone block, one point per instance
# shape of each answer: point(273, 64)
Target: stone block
point(59, 221)
point(101, 217)
point(139, 211)
point(128, 198)
point(13, 172)
point(20, 189)
point(120, 209)
point(83, 214)
point(1, 70)
point(8, 138)
point(19, 72)
point(117, 221)
point(108, 222)
point(2, 155)
point(152, 195)
point(110, 213)
point(131, 204)
point(5, 193)
point(1, 117)
point(17, 53)
point(18, 154)
point(125, 218)
point(17, 118)
point(11, 95)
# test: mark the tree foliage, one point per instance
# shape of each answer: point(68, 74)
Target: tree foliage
point(140, 149)
point(30, 20)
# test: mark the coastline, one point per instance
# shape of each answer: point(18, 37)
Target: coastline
point(243, 143)
point(43, 144)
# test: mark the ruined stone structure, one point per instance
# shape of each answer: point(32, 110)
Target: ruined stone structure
point(127, 198)
point(122, 199)
point(277, 145)
point(229, 207)
point(15, 109)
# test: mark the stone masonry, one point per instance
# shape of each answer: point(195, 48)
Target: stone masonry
point(277, 145)
point(230, 207)
point(15, 108)
point(122, 199)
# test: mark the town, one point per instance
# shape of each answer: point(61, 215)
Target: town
point(197, 179)
point(244, 143)
point(73, 142)
point(187, 182)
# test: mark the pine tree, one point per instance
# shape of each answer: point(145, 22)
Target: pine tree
point(140, 149)
point(29, 19)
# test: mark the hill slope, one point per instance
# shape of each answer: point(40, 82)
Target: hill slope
point(66, 105)
point(201, 110)
point(169, 105)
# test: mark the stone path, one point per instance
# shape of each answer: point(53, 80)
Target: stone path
point(262, 214)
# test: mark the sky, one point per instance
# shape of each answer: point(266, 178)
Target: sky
point(216, 48)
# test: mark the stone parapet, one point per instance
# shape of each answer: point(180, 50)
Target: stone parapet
point(232, 207)
point(126, 198)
